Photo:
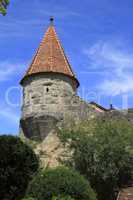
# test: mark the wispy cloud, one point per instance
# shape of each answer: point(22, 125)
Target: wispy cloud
point(35, 17)
point(59, 12)
point(9, 69)
point(18, 28)
point(115, 64)
point(9, 114)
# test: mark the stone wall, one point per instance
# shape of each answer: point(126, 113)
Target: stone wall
point(46, 93)
point(126, 193)
point(49, 100)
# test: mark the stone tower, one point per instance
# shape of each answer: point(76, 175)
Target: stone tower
point(49, 86)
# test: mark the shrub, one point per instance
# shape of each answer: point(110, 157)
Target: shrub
point(103, 152)
point(17, 165)
point(29, 198)
point(60, 182)
point(54, 198)
point(62, 198)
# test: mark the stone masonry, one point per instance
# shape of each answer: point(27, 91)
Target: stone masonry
point(126, 193)
point(50, 99)
point(50, 91)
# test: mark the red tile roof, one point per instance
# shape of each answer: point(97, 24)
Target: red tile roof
point(50, 57)
point(100, 108)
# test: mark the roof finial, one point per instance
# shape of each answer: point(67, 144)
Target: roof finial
point(51, 20)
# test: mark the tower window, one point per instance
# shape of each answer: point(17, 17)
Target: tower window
point(47, 89)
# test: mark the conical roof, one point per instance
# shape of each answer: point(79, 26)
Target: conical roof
point(50, 57)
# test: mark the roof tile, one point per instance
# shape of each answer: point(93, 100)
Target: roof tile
point(50, 56)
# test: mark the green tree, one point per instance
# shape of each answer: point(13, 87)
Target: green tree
point(60, 182)
point(18, 163)
point(3, 6)
point(103, 152)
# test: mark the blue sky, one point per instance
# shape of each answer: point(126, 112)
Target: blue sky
point(97, 37)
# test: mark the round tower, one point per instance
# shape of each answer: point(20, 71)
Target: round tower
point(48, 87)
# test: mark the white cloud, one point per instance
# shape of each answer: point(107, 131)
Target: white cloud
point(9, 114)
point(117, 86)
point(9, 69)
point(115, 65)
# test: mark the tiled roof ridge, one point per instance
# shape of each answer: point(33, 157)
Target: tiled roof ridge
point(63, 53)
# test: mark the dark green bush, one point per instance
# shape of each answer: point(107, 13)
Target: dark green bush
point(54, 198)
point(62, 198)
point(60, 182)
point(29, 198)
point(17, 165)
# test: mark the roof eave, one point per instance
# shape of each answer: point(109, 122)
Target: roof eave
point(34, 74)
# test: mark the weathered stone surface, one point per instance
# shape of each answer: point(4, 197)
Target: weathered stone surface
point(126, 193)
point(50, 99)
point(51, 151)
point(45, 97)
point(39, 126)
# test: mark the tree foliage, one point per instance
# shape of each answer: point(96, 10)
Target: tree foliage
point(54, 198)
point(17, 165)
point(3, 6)
point(62, 198)
point(60, 182)
point(29, 198)
point(103, 152)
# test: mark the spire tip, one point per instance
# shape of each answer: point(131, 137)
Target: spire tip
point(51, 20)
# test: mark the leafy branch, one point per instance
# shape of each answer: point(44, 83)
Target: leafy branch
point(3, 6)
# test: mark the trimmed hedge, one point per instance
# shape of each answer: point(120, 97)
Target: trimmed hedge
point(18, 163)
point(60, 182)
